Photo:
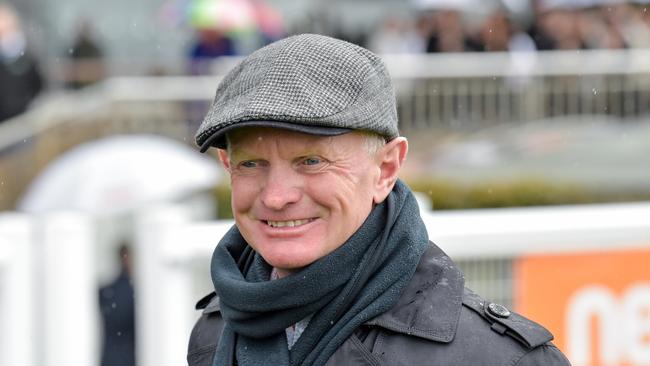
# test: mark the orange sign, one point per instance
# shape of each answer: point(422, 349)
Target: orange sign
point(596, 304)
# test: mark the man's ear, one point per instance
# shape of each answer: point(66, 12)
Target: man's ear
point(390, 158)
point(224, 158)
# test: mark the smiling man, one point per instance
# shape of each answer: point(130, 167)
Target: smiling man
point(329, 262)
point(297, 197)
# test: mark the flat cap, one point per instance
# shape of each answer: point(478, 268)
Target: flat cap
point(307, 83)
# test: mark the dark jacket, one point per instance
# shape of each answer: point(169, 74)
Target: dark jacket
point(118, 320)
point(20, 82)
point(436, 322)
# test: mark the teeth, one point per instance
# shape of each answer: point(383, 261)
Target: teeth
point(291, 223)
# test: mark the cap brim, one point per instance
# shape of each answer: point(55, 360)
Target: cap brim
point(218, 138)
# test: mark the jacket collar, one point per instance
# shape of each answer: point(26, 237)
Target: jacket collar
point(430, 305)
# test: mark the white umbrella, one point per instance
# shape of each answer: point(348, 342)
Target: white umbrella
point(120, 173)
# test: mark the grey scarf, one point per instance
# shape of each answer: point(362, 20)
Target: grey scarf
point(361, 279)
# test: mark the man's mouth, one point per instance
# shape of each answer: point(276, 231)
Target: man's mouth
point(290, 223)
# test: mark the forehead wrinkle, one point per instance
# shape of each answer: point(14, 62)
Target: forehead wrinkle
point(299, 145)
point(287, 144)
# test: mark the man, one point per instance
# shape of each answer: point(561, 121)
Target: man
point(329, 262)
point(118, 315)
point(20, 78)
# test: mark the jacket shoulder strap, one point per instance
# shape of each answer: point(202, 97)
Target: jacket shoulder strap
point(209, 303)
point(504, 321)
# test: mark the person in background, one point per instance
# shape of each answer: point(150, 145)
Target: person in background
point(396, 36)
point(557, 28)
point(448, 33)
point(86, 58)
point(210, 43)
point(329, 262)
point(500, 33)
point(628, 20)
point(20, 77)
point(118, 315)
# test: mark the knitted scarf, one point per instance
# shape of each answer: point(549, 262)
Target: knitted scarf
point(360, 280)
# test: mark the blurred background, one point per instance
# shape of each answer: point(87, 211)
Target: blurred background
point(529, 128)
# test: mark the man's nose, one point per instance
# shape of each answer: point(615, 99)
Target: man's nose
point(282, 188)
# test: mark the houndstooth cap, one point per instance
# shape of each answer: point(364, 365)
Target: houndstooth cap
point(307, 83)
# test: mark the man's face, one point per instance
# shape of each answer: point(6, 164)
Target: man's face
point(298, 197)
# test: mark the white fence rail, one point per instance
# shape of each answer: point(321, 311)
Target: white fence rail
point(48, 286)
point(17, 307)
point(48, 297)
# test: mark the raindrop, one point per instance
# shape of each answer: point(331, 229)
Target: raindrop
point(113, 305)
point(70, 50)
point(594, 90)
point(119, 334)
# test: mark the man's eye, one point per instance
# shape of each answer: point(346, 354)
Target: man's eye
point(248, 164)
point(312, 161)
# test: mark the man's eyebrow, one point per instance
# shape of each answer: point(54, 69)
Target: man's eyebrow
point(238, 153)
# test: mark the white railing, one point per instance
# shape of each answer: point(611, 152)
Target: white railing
point(48, 283)
point(48, 293)
point(17, 306)
point(405, 69)
point(471, 236)
point(69, 298)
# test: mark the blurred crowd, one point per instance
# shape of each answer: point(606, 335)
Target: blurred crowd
point(453, 27)
point(615, 25)
point(220, 29)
